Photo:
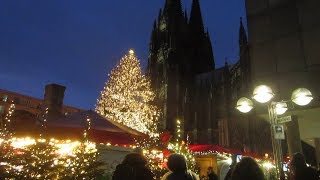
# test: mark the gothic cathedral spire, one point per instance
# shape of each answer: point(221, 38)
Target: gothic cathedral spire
point(242, 35)
point(202, 53)
point(173, 6)
point(196, 23)
point(153, 39)
point(180, 52)
point(245, 63)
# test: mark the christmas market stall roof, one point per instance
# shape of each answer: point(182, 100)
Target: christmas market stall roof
point(101, 130)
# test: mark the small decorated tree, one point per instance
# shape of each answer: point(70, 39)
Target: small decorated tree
point(152, 148)
point(27, 158)
point(38, 161)
point(8, 157)
point(83, 164)
point(182, 147)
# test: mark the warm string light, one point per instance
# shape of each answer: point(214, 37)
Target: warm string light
point(88, 123)
point(7, 129)
point(221, 155)
point(152, 149)
point(153, 152)
point(87, 129)
point(127, 95)
point(44, 122)
point(7, 153)
point(181, 147)
point(64, 147)
point(71, 156)
point(266, 164)
point(178, 130)
point(28, 158)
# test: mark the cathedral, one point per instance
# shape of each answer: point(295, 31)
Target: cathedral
point(188, 86)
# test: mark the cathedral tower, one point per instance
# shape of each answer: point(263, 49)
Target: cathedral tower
point(180, 49)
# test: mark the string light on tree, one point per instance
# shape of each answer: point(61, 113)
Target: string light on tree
point(181, 147)
point(7, 131)
point(44, 122)
point(152, 148)
point(49, 159)
point(88, 127)
point(178, 130)
point(7, 153)
point(127, 97)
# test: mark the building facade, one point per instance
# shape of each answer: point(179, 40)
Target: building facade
point(29, 111)
point(284, 36)
point(189, 88)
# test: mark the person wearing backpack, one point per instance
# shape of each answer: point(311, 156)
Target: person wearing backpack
point(133, 167)
point(178, 169)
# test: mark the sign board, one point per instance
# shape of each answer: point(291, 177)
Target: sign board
point(284, 119)
point(278, 132)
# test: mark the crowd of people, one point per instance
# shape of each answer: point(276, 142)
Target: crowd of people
point(134, 167)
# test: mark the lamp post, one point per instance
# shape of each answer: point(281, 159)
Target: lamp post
point(263, 94)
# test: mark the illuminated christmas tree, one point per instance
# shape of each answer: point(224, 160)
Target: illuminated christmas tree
point(127, 96)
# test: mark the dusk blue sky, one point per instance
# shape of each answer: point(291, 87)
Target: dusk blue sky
point(76, 43)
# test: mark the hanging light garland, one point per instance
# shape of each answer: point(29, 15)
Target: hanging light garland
point(7, 124)
point(86, 130)
point(44, 123)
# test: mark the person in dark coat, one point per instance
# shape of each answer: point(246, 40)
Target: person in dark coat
point(178, 169)
point(299, 169)
point(133, 167)
point(247, 169)
point(211, 174)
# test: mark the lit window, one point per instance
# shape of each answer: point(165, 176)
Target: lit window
point(1, 110)
point(5, 98)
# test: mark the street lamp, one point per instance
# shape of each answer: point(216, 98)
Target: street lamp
point(244, 105)
point(263, 94)
point(301, 96)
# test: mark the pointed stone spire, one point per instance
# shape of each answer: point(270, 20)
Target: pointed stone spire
point(160, 15)
point(153, 36)
point(166, 5)
point(226, 69)
point(208, 35)
point(210, 52)
point(186, 15)
point(196, 22)
point(153, 47)
point(172, 6)
point(154, 25)
point(242, 34)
